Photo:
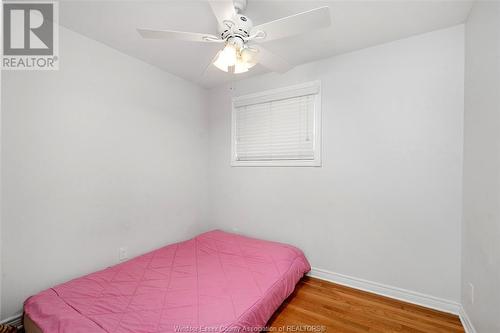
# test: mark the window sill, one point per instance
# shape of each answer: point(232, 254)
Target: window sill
point(277, 163)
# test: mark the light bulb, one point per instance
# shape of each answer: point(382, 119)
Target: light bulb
point(226, 58)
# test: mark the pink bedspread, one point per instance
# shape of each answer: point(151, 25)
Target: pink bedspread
point(215, 282)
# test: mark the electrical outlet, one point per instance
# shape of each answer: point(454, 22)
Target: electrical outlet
point(471, 293)
point(122, 254)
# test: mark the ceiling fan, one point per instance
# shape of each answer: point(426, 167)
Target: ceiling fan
point(239, 36)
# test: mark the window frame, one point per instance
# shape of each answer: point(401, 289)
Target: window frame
point(273, 95)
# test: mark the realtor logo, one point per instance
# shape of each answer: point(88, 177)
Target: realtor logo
point(30, 35)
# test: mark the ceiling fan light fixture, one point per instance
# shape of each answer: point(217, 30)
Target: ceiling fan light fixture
point(240, 67)
point(235, 58)
point(226, 58)
point(249, 56)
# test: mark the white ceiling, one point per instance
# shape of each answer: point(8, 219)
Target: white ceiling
point(356, 25)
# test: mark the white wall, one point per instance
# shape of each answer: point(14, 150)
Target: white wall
point(386, 204)
point(106, 152)
point(481, 230)
point(109, 148)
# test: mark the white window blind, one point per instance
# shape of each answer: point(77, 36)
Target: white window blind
point(276, 131)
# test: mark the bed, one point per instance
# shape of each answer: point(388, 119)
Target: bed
point(215, 282)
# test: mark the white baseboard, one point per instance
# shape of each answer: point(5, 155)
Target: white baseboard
point(464, 318)
point(389, 291)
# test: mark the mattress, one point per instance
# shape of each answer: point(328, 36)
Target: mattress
point(215, 282)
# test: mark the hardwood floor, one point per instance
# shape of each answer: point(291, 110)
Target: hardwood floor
point(320, 306)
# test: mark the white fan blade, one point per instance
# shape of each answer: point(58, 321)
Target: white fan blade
point(205, 71)
point(179, 35)
point(272, 61)
point(295, 24)
point(223, 10)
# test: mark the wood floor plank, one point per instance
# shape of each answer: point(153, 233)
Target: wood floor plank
point(318, 306)
point(365, 306)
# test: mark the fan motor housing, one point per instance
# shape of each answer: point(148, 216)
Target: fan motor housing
point(238, 26)
point(243, 23)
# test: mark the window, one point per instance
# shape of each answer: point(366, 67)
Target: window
point(278, 128)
